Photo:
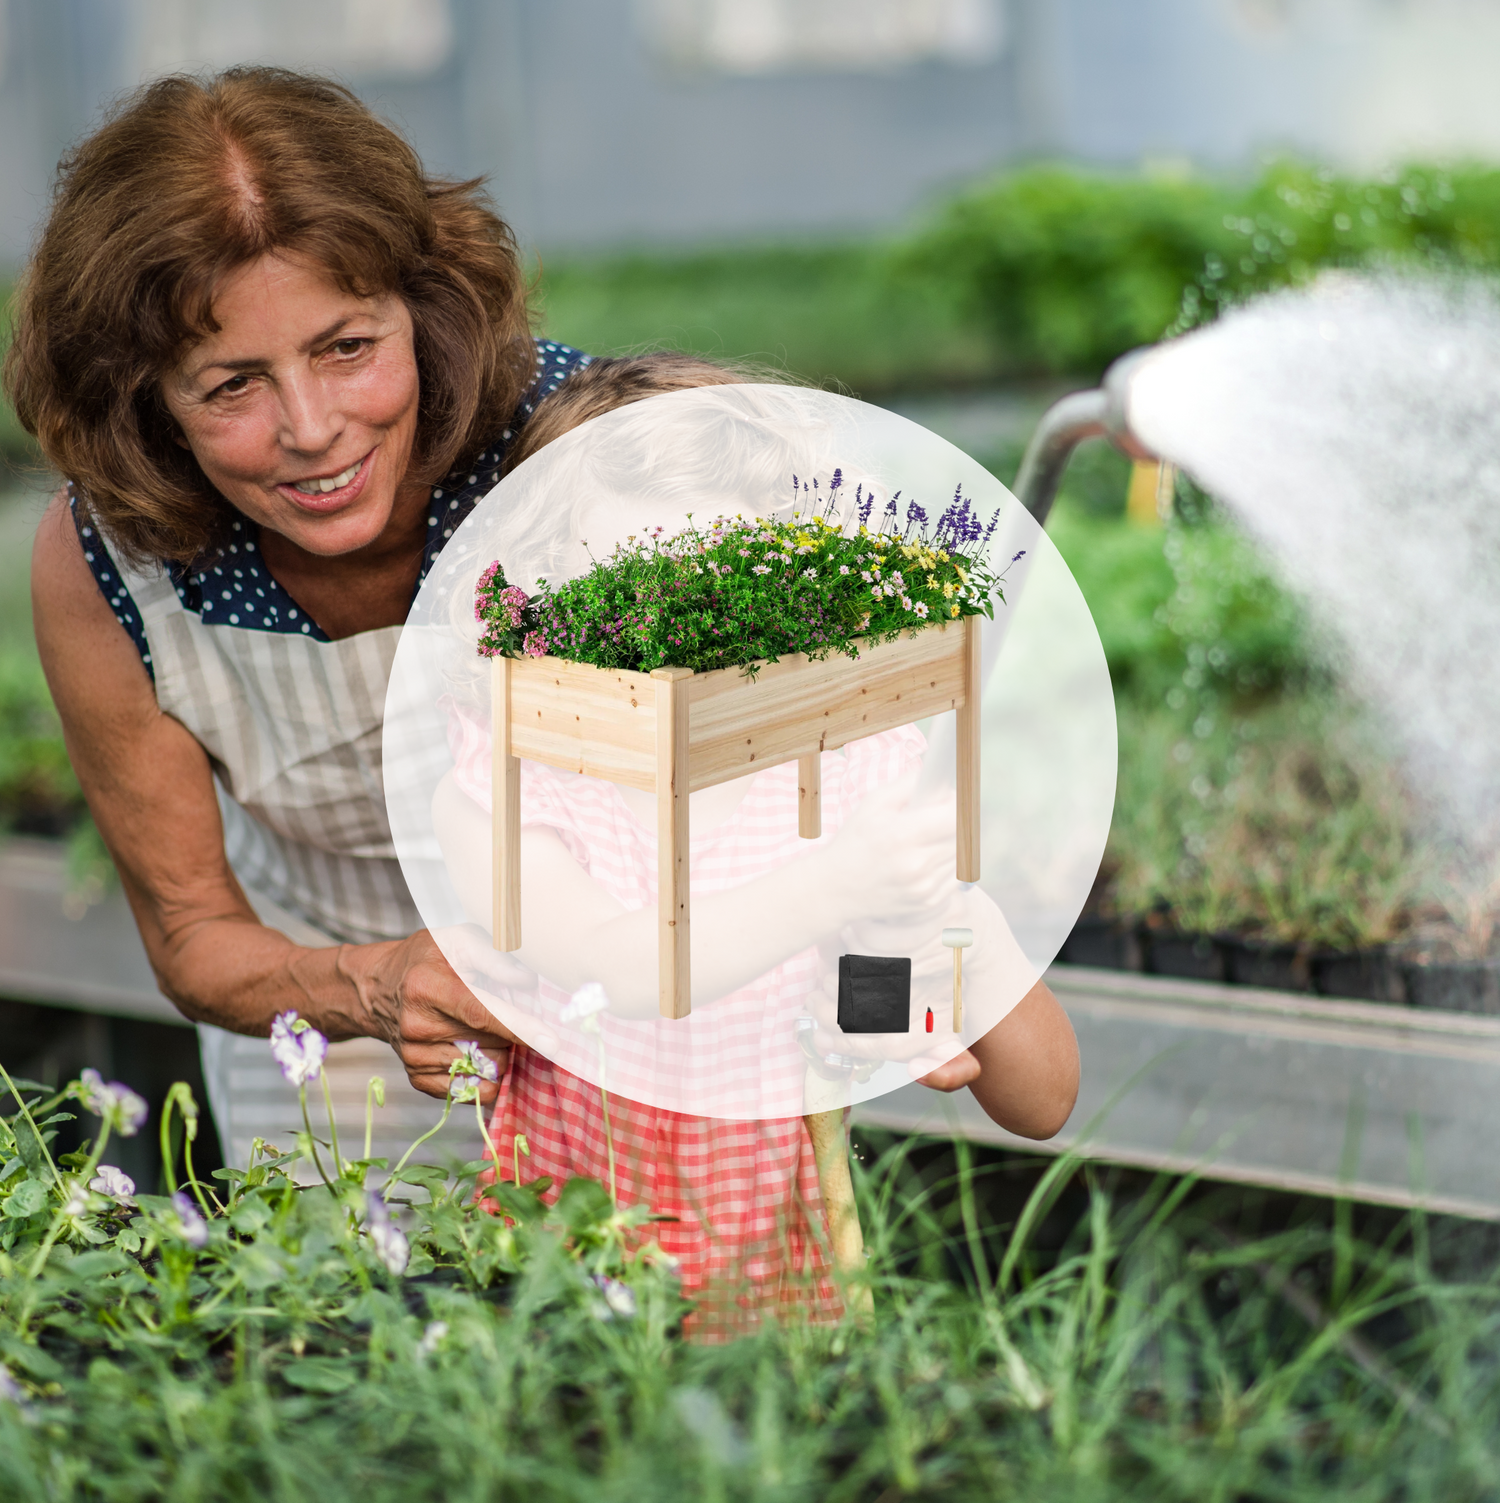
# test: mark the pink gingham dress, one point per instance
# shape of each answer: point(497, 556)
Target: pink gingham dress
point(744, 1192)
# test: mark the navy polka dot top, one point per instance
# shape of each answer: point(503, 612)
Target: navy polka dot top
point(238, 590)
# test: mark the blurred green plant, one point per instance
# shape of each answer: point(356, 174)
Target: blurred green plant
point(1067, 270)
point(38, 790)
point(1252, 796)
point(271, 1339)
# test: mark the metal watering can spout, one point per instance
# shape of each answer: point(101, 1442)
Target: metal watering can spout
point(1103, 412)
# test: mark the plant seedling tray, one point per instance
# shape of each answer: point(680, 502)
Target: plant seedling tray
point(672, 731)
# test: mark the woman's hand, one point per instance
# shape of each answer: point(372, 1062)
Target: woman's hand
point(419, 1005)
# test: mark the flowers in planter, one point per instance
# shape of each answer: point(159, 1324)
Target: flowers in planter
point(823, 578)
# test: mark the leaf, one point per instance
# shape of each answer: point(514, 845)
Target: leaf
point(250, 1215)
point(427, 1175)
point(28, 1145)
point(523, 1204)
point(26, 1199)
point(583, 1203)
point(38, 1363)
point(128, 1240)
point(96, 1265)
point(11, 1165)
point(320, 1375)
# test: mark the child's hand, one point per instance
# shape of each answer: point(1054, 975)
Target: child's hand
point(895, 858)
point(952, 1075)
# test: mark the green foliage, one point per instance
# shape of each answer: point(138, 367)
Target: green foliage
point(1251, 797)
point(741, 591)
point(839, 313)
point(1186, 613)
point(37, 785)
point(267, 1352)
point(1067, 270)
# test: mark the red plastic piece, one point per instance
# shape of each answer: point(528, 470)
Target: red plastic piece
point(929, 1020)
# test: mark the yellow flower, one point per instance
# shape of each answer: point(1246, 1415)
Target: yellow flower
point(948, 588)
point(953, 610)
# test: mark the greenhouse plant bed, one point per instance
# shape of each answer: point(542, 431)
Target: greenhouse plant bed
point(1283, 968)
point(1104, 943)
point(1260, 1087)
point(1193, 957)
point(1454, 986)
point(1372, 975)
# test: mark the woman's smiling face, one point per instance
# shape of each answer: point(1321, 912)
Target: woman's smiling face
point(301, 409)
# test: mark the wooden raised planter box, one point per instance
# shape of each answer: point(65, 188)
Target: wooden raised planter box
point(672, 732)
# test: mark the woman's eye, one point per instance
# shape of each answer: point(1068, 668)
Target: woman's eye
point(232, 387)
point(350, 346)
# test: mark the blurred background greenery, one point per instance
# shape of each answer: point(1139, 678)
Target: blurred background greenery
point(1252, 797)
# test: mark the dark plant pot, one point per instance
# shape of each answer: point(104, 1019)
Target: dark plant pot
point(1195, 957)
point(1368, 975)
point(1455, 986)
point(1107, 943)
point(1282, 968)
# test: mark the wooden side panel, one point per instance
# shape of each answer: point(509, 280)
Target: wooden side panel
point(674, 978)
point(795, 706)
point(968, 757)
point(505, 804)
point(585, 719)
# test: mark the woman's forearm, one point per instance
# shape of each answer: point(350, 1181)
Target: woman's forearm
point(234, 971)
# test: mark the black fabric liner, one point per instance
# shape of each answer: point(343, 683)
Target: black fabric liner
point(875, 993)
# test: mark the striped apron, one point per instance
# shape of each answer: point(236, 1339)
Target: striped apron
point(292, 727)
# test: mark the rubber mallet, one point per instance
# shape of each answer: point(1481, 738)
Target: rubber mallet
point(958, 940)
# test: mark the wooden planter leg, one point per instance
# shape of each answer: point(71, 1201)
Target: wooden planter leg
point(968, 756)
point(810, 795)
point(505, 832)
point(673, 950)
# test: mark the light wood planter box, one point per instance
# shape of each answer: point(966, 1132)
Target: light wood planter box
point(672, 732)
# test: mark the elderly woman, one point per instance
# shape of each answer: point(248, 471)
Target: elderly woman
point(278, 363)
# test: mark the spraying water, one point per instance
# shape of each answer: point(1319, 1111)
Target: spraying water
point(1354, 429)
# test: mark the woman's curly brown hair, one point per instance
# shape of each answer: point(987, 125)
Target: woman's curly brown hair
point(186, 182)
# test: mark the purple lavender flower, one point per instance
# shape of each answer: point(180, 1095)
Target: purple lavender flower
point(117, 1104)
point(191, 1226)
point(297, 1047)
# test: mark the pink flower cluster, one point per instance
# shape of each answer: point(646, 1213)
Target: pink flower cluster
point(535, 645)
point(483, 583)
point(512, 600)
